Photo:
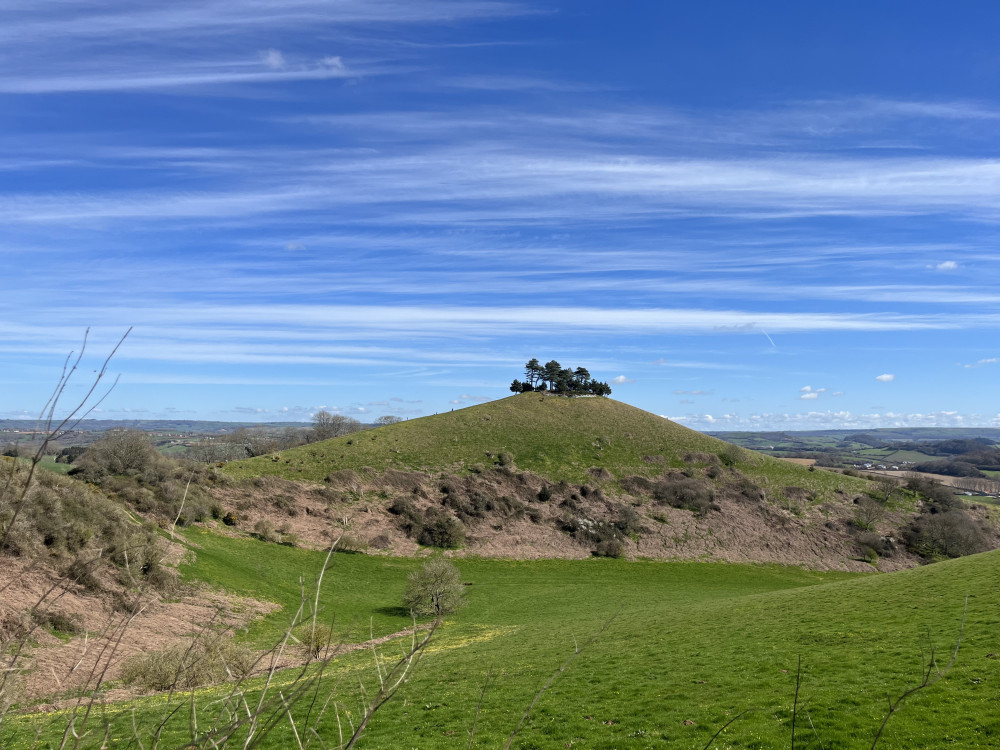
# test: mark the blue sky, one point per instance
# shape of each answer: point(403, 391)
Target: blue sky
point(764, 215)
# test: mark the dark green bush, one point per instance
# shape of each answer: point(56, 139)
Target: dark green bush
point(442, 531)
point(882, 546)
point(629, 521)
point(409, 518)
point(731, 455)
point(609, 548)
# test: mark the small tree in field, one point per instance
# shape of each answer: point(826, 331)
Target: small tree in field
point(436, 589)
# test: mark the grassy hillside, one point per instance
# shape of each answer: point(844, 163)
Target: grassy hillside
point(557, 438)
point(691, 646)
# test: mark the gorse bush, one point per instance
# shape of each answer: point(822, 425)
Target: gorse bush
point(170, 490)
point(609, 548)
point(127, 452)
point(65, 519)
point(435, 527)
point(410, 520)
point(732, 455)
point(478, 504)
point(441, 530)
point(687, 493)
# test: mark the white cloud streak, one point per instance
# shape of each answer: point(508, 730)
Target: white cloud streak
point(981, 362)
point(463, 185)
point(122, 46)
point(834, 420)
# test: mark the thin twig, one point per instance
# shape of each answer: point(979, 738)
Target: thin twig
point(931, 674)
point(813, 727)
point(725, 726)
point(795, 704)
point(395, 677)
point(565, 665)
point(479, 705)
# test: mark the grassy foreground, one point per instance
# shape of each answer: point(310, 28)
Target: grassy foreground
point(691, 646)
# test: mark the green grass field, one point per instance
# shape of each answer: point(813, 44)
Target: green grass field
point(49, 464)
point(691, 645)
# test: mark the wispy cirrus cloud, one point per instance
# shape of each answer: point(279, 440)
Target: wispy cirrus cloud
point(125, 78)
point(111, 46)
point(845, 420)
point(32, 21)
point(480, 187)
point(428, 320)
point(982, 362)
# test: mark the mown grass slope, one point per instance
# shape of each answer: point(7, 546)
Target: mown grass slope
point(691, 646)
point(557, 438)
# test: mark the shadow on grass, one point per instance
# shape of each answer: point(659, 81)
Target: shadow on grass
point(395, 612)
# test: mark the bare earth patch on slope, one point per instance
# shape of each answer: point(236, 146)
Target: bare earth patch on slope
point(107, 632)
point(709, 513)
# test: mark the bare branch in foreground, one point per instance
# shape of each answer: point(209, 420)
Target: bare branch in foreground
point(931, 674)
point(548, 683)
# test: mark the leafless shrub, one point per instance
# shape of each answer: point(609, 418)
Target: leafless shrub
point(950, 534)
point(868, 512)
point(327, 425)
point(209, 660)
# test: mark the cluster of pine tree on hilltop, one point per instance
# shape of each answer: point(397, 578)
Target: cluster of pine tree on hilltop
point(554, 378)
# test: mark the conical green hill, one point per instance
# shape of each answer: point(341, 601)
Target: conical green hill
point(555, 437)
